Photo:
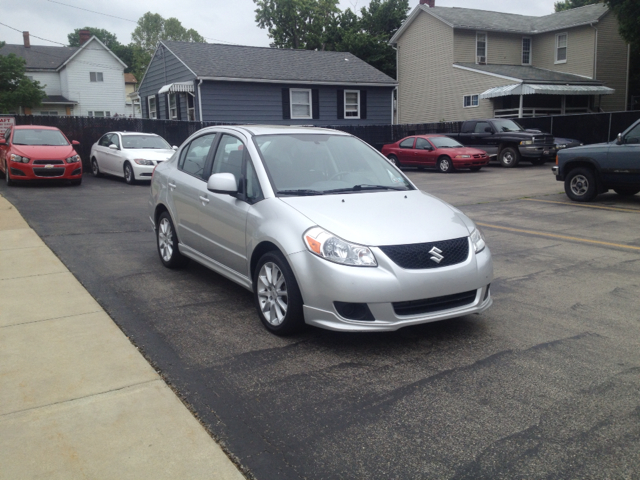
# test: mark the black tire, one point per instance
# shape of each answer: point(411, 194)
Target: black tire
point(129, 176)
point(445, 165)
point(95, 168)
point(509, 157)
point(167, 243)
point(77, 182)
point(7, 176)
point(277, 295)
point(538, 161)
point(626, 191)
point(580, 185)
point(393, 159)
point(475, 169)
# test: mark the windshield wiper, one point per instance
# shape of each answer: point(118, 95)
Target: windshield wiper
point(359, 188)
point(301, 192)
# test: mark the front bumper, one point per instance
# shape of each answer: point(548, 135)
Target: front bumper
point(470, 162)
point(556, 171)
point(538, 151)
point(45, 171)
point(322, 283)
point(143, 172)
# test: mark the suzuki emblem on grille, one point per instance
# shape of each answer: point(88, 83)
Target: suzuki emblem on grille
point(436, 252)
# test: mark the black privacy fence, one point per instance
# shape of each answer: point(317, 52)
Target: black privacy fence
point(588, 128)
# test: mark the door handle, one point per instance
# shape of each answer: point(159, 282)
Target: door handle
point(204, 200)
point(172, 185)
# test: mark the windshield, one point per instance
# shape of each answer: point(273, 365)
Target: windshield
point(312, 164)
point(144, 141)
point(444, 142)
point(507, 126)
point(39, 137)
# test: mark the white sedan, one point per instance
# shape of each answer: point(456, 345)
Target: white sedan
point(131, 155)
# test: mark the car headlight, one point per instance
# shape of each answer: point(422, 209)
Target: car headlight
point(73, 159)
point(463, 156)
point(142, 161)
point(528, 142)
point(477, 239)
point(332, 248)
point(19, 159)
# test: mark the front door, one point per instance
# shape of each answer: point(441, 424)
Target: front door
point(625, 158)
point(424, 153)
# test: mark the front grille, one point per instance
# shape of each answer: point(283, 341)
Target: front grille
point(48, 162)
point(543, 140)
point(48, 172)
point(417, 256)
point(435, 304)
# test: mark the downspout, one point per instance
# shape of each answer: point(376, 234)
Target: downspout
point(397, 119)
point(200, 99)
point(595, 58)
point(626, 95)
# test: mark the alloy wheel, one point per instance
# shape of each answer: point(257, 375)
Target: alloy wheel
point(165, 240)
point(272, 293)
point(579, 185)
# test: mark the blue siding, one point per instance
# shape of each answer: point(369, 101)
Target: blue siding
point(240, 102)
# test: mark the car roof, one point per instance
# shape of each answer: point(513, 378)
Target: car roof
point(136, 133)
point(255, 130)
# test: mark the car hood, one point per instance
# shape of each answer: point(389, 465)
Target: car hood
point(43, 152)
point(383, 218)
point(149, 153)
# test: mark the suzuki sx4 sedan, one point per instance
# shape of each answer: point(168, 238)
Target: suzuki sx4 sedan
point(321, 227)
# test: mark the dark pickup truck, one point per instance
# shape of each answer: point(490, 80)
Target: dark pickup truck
point(506, 140)
point(593, 169)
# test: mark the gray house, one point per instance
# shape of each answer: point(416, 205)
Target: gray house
point(461, 63)
point(239, 84)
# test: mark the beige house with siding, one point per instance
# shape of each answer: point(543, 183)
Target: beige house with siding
point(460, 64)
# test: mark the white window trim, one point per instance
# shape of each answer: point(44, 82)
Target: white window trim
point(308, 91)
point(155, 107)
point(486, 47)
point(173, 114)
point(351, 117)
point(530, 51)
point(471, 95)
point(566, 48)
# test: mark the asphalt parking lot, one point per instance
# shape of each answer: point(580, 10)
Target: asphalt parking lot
point(545, 384)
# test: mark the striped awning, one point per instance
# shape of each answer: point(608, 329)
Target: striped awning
point(177, 87)
point(544, 89)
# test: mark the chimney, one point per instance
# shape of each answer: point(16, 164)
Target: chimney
point(27, 42)
point(84, 36)
point(430, 3)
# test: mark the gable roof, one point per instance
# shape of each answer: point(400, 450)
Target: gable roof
point(262, 64)
point(467, 18)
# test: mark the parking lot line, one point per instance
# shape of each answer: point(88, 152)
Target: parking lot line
point(630, 210)
point(562, 237)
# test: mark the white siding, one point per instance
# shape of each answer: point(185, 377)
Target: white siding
point(50, 81)
point(107, 95)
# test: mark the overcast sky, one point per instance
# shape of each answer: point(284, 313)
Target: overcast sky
point(219, 21)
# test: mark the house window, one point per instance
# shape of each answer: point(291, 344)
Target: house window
point(191, 110)
point(300, 103)
point(526, 51)
point(561, 48)
point(481, 48)
point(96, 77)
point(152, 107)
point(99, 113)
point(352, 104)
point(173, 108)
point(470, 101)
point(48, 112)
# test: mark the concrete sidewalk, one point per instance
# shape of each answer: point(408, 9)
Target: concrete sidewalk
point(77, 400)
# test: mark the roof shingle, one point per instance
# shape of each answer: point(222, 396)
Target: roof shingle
point(40, 57)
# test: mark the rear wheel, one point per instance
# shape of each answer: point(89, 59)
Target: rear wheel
point(445, 165)
point(277, 295)
point(580, 185)
point(167, 242)
point(129, 176)
point(509, 157)
point(626, 191)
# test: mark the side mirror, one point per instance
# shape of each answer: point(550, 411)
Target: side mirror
point(174, 148)
point(619, 139)
point(113, 147)
point(75, 142)
point(428, 147)
point(224, 183)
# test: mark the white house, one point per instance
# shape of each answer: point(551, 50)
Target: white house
point(81, 81)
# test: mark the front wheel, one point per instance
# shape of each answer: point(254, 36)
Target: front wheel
point(7, 176)
point(445, 165)
point(580, 185)
point(393, 159)
point(277, 295)
point(95, 169)
point(167, 241)
point(626, 191)
point(509, 157)
point(129, 176)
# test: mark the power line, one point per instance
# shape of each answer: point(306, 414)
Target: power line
point(34, 36)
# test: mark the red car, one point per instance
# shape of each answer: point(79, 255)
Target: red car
point(34, 152)
point(437, 151)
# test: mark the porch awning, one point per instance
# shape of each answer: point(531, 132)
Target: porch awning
point(177, 87)
point(545, 89)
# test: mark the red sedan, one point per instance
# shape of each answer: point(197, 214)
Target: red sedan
point(437, 151)
point(34, 152)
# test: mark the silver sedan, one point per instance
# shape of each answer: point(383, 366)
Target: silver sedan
point(320, 227)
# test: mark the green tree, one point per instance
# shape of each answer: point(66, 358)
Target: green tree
point(628, 13)
point(16, 90)
point(569, 4)
point(152, 28)
point(106, 37)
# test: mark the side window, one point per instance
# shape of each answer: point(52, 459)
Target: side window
point(468, 127)
point(105, 141)
point(229, 156)
point(194, 156)
point(633, 136)
point(481, 127)
point(422, 143)
point(408, 143)
point(254, 192)
point(7, 135)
